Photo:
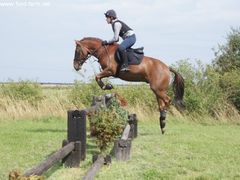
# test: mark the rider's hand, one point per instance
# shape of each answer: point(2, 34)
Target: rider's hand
point(104, 43)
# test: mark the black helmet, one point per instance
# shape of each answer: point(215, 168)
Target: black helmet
point(111, 13)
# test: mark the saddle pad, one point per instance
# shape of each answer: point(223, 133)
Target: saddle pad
point(135, 56)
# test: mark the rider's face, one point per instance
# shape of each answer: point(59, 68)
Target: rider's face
point(108, 20)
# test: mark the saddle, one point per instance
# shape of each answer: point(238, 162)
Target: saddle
point(135, 56)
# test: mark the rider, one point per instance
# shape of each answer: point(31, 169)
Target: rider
point(125, 32)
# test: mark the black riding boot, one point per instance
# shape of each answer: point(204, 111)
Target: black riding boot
point(124, 58)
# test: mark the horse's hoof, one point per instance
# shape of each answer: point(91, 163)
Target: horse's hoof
point(163, 131)
point(108, 87)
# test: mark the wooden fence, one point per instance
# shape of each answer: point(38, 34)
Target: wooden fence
point(74, 148)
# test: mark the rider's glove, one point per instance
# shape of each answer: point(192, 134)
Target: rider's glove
point(105, 43)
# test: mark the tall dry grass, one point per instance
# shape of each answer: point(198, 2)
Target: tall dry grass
point(56, 101)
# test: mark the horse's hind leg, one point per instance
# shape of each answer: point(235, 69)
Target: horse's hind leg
point(163, 114)
point(163, 103)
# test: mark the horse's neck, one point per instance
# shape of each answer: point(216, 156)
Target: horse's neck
point(106, 56)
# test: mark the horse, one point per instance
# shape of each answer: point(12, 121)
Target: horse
point(150, 70)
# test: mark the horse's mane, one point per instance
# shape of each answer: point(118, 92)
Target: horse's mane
point(96, 39)
point(91, 38)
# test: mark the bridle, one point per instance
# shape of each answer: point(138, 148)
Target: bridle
point(89, 53)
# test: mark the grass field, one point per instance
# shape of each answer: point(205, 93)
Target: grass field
point(186, 151)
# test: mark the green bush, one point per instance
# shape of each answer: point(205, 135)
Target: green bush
point(139, 94)
point(230, 83)
point(23, 90)
point(108, 124)
point(202, 87)
point(227, 61)
point(82, 93)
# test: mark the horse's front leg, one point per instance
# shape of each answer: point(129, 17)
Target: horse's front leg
point(103, 74)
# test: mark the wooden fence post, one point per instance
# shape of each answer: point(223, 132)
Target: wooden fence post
point(122, 147)
point(133, 121)
point(77, 134)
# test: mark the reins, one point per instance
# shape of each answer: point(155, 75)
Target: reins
point(92, 53)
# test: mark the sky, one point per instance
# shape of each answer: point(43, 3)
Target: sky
point(37, 37)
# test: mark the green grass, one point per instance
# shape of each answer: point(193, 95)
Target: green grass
point(26, 142)
point(186, 151)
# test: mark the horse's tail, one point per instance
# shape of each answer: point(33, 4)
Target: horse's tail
point(122, 100)
point(178, 89)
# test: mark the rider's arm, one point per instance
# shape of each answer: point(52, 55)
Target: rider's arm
point(117, 27)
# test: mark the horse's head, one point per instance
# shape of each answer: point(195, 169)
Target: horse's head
point(81, 55)
point(84, 49)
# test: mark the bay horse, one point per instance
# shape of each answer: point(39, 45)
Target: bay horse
point(151, 70)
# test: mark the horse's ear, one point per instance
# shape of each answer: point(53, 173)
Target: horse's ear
point(77, 42)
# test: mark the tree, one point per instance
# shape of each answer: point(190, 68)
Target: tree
point(227, 57)
point(227, 62)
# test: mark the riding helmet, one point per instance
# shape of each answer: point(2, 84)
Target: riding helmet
point(111, 13)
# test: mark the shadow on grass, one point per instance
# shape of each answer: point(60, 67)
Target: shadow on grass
point(41, 130)
point(147, 134)
point(92, 147)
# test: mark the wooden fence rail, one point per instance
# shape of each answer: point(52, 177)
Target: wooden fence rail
point(91, 173)
point(48, 163)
